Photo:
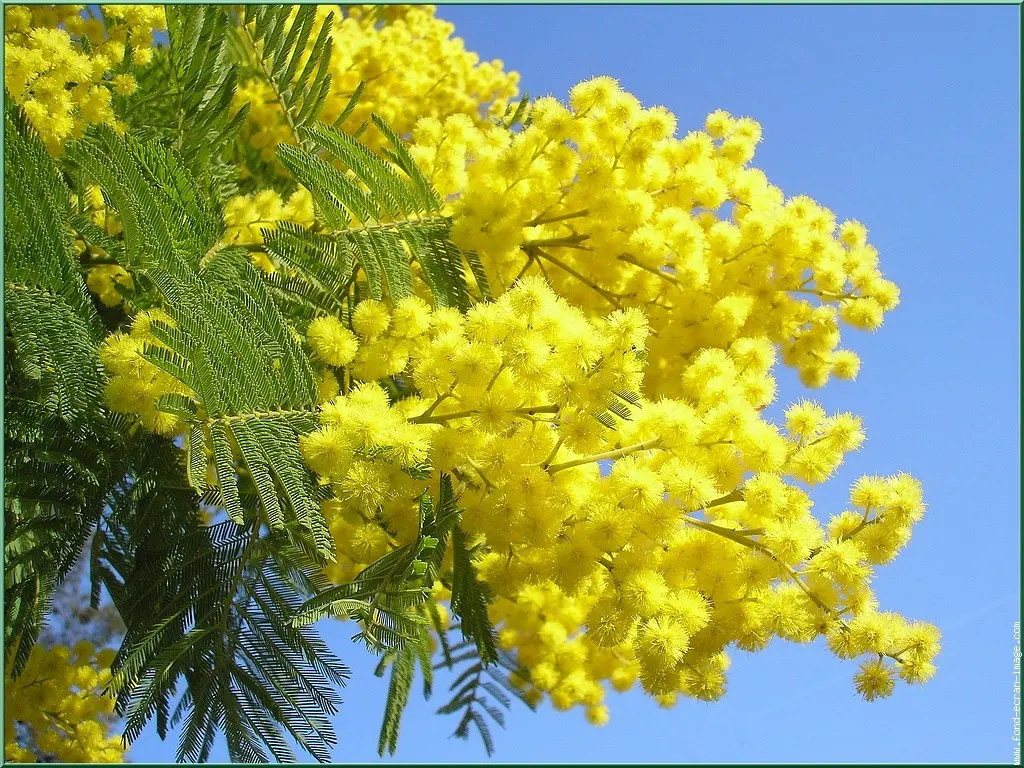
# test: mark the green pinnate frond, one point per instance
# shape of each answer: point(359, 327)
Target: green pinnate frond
point(52, 326)
point(38, 240)
point(397, 210)
point(60, 447)
point(470, 598)
point(276, 39)
point(402, 671)
point(350, 106)
point(442, 264)
point(212, 608)
point(52, 346)
point(388, 595)
point(396, 196)
point(205, 83)
point(620, 409)
point(473, 687)
point(230, 344)
point(316, 271)
point(437, 522)
point(516, 113)
point(398, 153)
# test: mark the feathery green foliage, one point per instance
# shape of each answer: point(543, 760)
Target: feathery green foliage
point(184, 95)
point(478, 680)
point(51, 323)
point(470, 597)
point(277, 48)
point(398, 216)
point(517, 113)
point(56, 438)
point(207, 604)
point(214, 608)
point(230, 345)
point(387, 597)
point(216, 614)
point(317, 271)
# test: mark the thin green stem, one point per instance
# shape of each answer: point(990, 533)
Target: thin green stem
point(608, 296)
point(237, 417)
point(744, 540)
point(569, 241)
point(426, 418)
point(615, 454)
point(494, 378)
point(629, 259)
point(433, 406)
point(530, 259)
point(443, 418)
point(278, 94)
point(539, 220)
point(554, 452)
point(736, 495)
point(476, 468)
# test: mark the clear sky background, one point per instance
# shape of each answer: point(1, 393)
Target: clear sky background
point(906, 118)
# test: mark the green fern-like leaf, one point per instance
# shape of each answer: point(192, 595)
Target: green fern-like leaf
point(517, 113)
point(470, 598)
point(52, 326)
point(315, 271)
point(398, 214)
point(212, 609)
point(402, 671)
point(61, 450)
point(437, 522)
point(475, 684)
point(275, 45)
point(229, 344)
point(386, 598)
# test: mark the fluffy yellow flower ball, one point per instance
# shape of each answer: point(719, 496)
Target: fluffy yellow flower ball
point(332, 342)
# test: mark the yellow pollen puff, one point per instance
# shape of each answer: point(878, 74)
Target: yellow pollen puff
point(875, 679)
point(333, 343)
point(370, 319)
point(59, 697)
point(125, 84)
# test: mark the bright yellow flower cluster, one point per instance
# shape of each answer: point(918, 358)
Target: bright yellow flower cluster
point(103, 279)
point(135, 385)
point(59, 697)
point(603, 418)
point(332, 341)
point(602, 199)
point(245, 216)
point(410, 65)
point(362, 449)
point(59, 64)
point(483, 374)
point(698, 537)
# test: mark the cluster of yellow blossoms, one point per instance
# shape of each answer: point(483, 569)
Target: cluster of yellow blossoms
point(410, 66)
point(135, 385)
point(615, 212)
point(603, 418)
point(59, 698)
point(696, 538)
point(486, 374)
point(103, 279)
point(246, 216)
point(64, 67)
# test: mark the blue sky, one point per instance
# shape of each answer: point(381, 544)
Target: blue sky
point(906, 118)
